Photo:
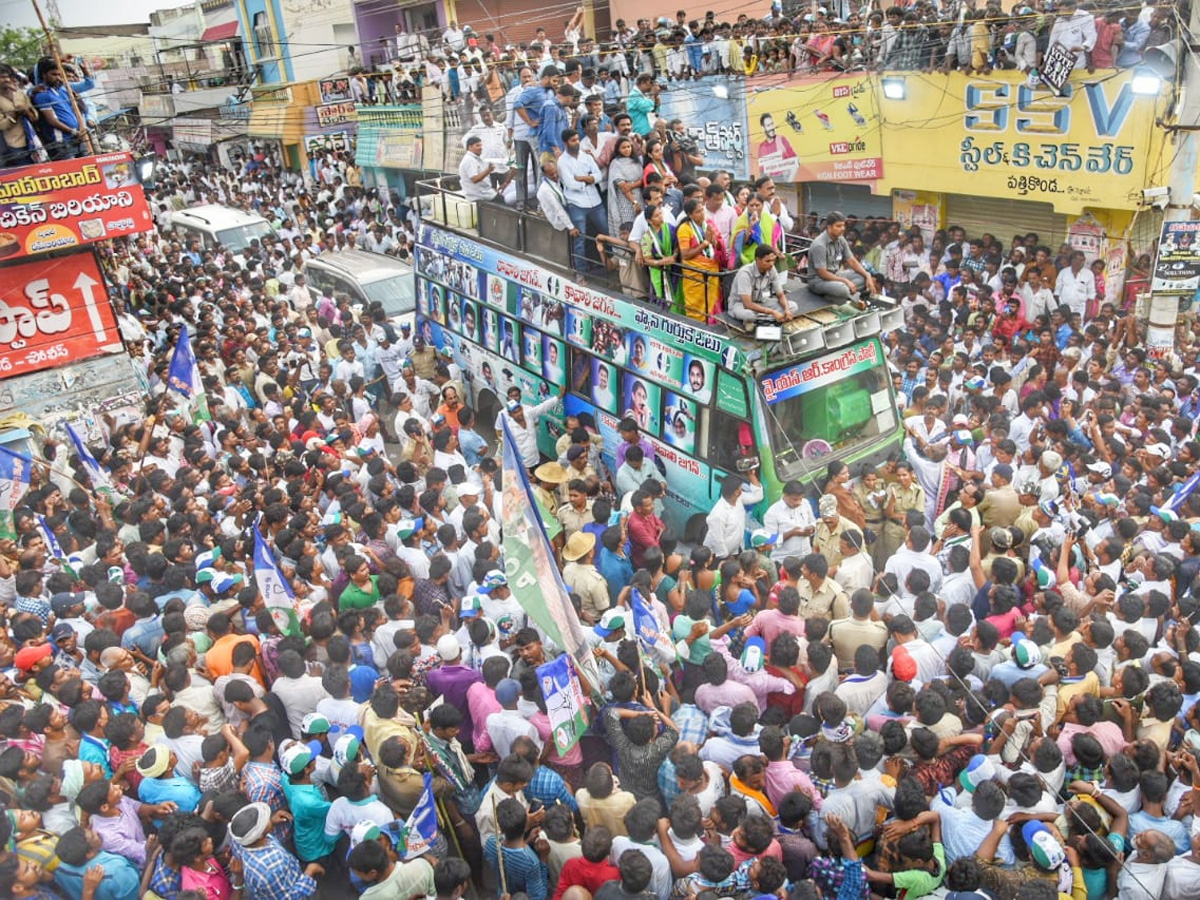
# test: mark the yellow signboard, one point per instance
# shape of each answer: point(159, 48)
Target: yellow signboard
point(992, 136)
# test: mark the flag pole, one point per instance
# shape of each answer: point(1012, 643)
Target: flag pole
point(438, 803)
point(499, 848)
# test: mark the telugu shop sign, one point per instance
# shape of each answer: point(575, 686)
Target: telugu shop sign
point(66, 204)
point(52, 313)
point(1090, 146)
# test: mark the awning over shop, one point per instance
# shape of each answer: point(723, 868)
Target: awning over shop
point(219, 32)
point(280, 123)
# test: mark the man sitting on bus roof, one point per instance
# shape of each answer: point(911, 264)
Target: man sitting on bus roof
point(832, 269)
point(758, 290)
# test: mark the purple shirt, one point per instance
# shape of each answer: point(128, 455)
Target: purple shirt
point(123, 834)
point(623, 446)
point(451, 682)
point(783, 777)
point(709, 697)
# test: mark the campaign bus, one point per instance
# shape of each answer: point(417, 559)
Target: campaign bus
point(709, 400)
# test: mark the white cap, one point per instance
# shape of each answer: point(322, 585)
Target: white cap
point(448, 648)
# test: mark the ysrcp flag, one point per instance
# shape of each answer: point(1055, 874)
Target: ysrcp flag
point(98, 476)
point(14, 482)
point(183, 377)
point(564, 702)
point(529, 564)
point(421, 828)
point(643, 619)
point(52, 545)
point(276, 592)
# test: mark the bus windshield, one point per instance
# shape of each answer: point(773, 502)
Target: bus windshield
point(238, 238)
point(827, 405)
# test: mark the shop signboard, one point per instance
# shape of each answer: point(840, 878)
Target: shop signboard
point(52, 313)
point(56, 205)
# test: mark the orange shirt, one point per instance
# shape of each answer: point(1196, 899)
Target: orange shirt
point(219, 658)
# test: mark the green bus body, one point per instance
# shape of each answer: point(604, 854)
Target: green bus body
point(708, 401)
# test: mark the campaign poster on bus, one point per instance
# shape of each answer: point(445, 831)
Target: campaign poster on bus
point(52, 313)
point(65, 204)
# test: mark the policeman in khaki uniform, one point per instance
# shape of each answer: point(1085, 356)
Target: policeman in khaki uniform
point(581, 575)
point(829, 530)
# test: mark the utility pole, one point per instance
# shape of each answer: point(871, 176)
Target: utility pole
point(1164, 309)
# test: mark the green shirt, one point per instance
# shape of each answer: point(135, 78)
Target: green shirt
point(918, 882)
point(309, 808)
point(354, 597)
point(701, 647)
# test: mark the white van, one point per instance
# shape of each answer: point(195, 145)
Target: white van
point(233, 229)
point(366, 277)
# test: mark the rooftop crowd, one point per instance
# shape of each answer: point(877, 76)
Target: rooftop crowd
point(971, 671)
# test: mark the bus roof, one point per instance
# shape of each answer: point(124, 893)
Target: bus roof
point(821, 324)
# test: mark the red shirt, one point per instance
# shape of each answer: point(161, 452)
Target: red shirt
point(590, 875)
point(644, 532)
point(792, 704)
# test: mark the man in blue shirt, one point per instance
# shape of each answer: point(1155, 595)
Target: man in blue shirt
point(613, 562)
point(554, 120)
point(85, 872)
point(62, 130)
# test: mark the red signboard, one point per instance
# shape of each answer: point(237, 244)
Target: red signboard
point(64, 204)
point(54, 312)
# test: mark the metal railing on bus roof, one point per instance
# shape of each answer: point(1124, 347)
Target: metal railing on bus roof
point(441, 202)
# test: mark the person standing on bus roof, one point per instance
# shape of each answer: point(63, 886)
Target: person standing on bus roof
point(580, 179)
point(522, 421)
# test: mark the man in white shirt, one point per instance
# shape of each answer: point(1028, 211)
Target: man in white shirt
point(726, 523)
point(1075, 30)
point(791, 517)
point(522, 424)
point(300, 296)
point(475, 172)
point(552, 201)
point(453, 37)
point(580, 178)
point(1076, 285)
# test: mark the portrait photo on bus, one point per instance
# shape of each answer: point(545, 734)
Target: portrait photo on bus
point(470, 321)
point(553, 360)
point(679, 422)
point(531, 351)
point(510, 337)
point(604, 385)
point(489, 329)
point(699, 378)
point(641, 402)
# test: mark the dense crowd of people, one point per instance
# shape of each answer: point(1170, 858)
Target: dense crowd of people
point(970, 671)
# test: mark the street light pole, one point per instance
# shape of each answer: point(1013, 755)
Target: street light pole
point(1164, 309)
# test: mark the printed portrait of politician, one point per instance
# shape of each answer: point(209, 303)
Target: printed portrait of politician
point(641, 402)
point(508, 339)
point(604, 385)
point(489, 328)
point(679, 422)
point(531, 350)
point(775, 154)
point(552, 360)
point(699, 379)
point(469, 321)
